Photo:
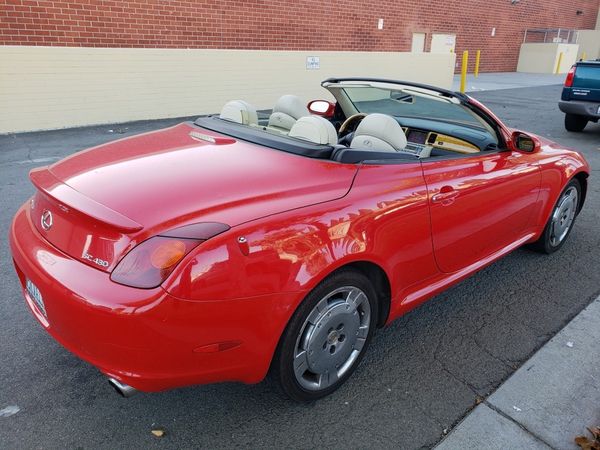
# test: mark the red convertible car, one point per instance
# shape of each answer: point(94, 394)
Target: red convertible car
point(236, 246)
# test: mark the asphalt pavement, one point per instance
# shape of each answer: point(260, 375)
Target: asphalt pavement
point(422, 374)
point(506, 80)
point(552, 399)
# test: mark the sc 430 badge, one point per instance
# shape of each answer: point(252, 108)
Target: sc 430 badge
point(98, 261)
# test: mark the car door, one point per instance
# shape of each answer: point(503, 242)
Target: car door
point(479, 204)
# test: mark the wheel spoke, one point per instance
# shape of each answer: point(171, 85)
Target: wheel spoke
point(363, 331)
point(300, 364)
point(326, 379)
point(556, 214)
point(317, 311)
point(553, 233)
point(359, 343)
point(355, 298)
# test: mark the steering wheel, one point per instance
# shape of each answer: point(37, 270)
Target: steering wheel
point(351, 123)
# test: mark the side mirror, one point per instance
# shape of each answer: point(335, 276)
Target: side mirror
point(322, 108)
point(524, 143)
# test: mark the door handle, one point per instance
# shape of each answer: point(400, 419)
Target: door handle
point(446, 195)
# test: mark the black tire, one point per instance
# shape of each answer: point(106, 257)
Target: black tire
point(298, 331)
point(546, 243)
point(574, 122)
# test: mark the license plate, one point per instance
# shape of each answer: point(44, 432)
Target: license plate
point(36, 296)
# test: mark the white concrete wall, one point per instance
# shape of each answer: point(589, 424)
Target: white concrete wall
point(598, 21)
point(57, 87)
point(543, 58)
point(589, 42)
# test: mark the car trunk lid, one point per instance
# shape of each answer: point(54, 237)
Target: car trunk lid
point(105, 200)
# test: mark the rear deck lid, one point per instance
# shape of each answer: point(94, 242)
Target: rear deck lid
point(105, 200)
point(78, 225)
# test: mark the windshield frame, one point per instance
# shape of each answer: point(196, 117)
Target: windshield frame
point(493, 125)
point(468, 118)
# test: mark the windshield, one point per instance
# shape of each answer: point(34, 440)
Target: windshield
point(408, 103)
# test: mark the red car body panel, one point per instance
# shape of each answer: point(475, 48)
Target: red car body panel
point(423, 225)
point(146, 338)
point(182, 175)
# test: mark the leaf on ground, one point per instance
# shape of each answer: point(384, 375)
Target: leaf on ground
point(589, 444)
point(595, 432)
point(158, 432)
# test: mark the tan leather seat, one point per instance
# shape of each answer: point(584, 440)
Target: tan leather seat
point(239, 111)
point(379, 132)
point(286, 112)
point(314, 129)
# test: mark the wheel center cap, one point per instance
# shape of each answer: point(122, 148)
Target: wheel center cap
point(332, 338)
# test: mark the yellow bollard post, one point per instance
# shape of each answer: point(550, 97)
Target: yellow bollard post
point(583, 56)
point(477, 57)
point(463, 71)
point(560, 57)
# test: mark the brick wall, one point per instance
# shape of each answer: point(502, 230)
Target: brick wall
point(286, 25)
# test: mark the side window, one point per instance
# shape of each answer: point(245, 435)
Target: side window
point(491, 126)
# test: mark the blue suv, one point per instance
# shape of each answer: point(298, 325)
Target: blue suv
point(580, 100)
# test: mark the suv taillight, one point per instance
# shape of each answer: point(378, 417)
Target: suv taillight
point(570, 76)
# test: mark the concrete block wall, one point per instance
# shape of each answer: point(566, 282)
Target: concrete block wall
point(545, 58)
point(56, 87)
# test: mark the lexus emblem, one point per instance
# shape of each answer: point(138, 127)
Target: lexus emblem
point(46, 220)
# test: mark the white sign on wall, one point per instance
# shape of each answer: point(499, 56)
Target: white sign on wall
point(313, 63)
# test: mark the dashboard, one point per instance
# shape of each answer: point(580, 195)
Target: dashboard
point(421, 143)
point(425, 136)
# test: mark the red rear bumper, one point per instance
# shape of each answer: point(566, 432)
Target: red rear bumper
point(145, 338)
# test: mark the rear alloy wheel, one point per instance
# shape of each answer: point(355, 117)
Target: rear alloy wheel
point(561, 220)
point(327, 336)
point(573, 122)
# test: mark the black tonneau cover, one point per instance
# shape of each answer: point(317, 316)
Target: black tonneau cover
point(257, 135)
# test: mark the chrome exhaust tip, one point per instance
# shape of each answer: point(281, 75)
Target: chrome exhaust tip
point(122, 389)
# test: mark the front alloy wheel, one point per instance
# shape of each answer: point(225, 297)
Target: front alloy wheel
point(327, 336)
point(563, 216)
point(561, 220)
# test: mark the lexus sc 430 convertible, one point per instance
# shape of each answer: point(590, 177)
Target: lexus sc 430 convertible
point(236, 246)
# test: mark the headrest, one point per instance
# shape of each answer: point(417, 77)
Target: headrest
point(239, 111)
point(379, 132)
point(291, 105)
point(314, 129)
point(286, 111)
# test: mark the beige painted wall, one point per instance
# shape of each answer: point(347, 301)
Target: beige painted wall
point(56, 87)
point(589, 42)
point(598, 21)
point(543, 58)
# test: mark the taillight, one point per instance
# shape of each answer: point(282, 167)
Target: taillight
point(152, 261)
point(570, 76)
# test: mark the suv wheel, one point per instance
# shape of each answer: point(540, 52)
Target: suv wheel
point(573, 122)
